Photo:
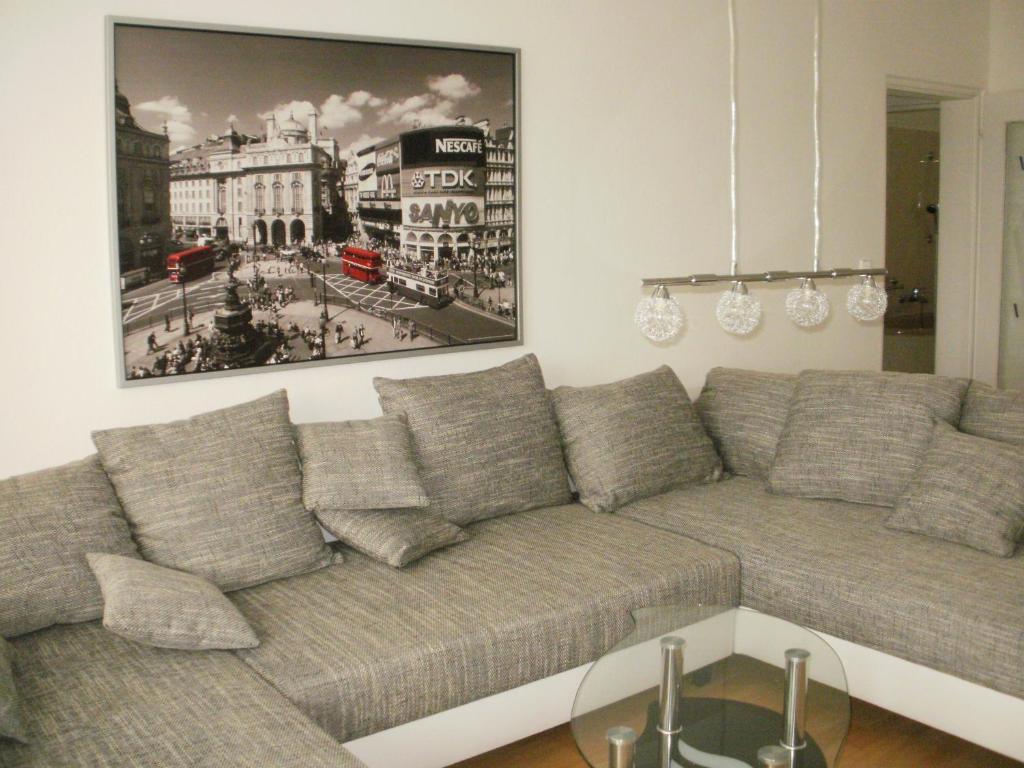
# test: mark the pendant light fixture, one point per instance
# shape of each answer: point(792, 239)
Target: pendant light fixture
point(737, 311)
point(806, 305)
point(866, 301)
point(660, 317)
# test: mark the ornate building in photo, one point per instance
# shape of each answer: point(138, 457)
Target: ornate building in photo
point(351, 185)
point(281, 188)
point(143, 209)
point(500, 197)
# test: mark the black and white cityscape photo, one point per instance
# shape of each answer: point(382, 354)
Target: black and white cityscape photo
point(287, 199)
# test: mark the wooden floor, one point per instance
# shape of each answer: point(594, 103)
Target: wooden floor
point(877, 739)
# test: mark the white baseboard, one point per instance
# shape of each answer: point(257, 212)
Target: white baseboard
point(980, 715)
point(991, 719)
point(474, 728)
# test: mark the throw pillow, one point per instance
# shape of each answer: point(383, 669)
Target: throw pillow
point(393, 536)
point(218, 495)
point(486, 443)
point(632, 439)
point(997, 414)
point(744, 413)
point(858, 435)
point(969, 490)
point(359, 465)
point(165, 608)
point(48, 521)
point(10, 710)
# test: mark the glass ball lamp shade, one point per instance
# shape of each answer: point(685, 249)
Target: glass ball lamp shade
point(807, 306)
point(658, 316)
point(866, 301)
point(738, 312)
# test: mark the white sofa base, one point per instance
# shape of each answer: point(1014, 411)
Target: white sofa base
point(975, 713)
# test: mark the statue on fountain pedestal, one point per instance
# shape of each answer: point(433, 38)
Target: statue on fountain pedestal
point(238, 344)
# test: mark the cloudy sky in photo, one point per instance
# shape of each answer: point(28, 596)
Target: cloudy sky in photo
point(199, 82)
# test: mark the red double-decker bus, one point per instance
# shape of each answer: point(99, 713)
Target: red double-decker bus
point(190, 264)
point(362, 264)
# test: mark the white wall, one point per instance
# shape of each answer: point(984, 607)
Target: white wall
point(1006, 36)
point(624, 149)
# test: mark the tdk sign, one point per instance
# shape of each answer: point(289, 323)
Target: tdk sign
point(450, 178)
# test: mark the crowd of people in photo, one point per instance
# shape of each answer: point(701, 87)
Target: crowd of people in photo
point(193, 354)
point(196, 352)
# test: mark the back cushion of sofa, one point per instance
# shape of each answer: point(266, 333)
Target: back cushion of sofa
point(860, 435)
point(486, 442)
point(744, 413)
point(633, 438)
point(48, 521)
point(997, 414)
point(218, 495)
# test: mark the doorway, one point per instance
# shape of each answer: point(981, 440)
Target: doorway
point(931, 227)
point(912, 205)
point(277, 232)
point(1000, 314)
point(1011, 327)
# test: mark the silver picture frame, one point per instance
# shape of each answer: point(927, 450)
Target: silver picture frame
point(123, 368)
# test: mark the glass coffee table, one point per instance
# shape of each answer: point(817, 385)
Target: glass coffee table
point(716, 687)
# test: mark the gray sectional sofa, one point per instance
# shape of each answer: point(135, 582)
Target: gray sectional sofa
point(500, 592)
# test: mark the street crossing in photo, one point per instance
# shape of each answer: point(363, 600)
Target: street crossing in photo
point(368, 295)
point(201, 295)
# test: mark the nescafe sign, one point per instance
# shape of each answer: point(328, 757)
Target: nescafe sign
point(458, 145)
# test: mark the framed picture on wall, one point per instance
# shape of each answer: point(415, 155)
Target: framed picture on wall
point(290, 198)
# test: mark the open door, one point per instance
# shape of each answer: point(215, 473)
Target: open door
point(999, 321)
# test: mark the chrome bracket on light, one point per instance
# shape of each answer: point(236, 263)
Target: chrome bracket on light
point(766, 277)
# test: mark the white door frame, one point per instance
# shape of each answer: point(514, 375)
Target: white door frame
point(999, 109)
point(959, 152)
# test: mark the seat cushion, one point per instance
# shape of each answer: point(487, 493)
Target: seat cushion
point(91, 699)
point(366, 464)
point(48, 521)
point(486, 442)
point(969, 490)
point(393, 536)
point(833, 566)
point(10, 707)
point(218, 495)
point(361, 647)
point(167, 608)
point(860, 435)
point(744, 413)
point(997, 414)
point(633, 438)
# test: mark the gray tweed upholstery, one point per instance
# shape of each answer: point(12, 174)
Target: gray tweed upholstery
point(632, 438)
point(969, 490)
point(166, 608)
point(744, 413)
point(997, 414)
point(486, 442)
point(91, 699)
point(860, 435)
point(362, 647)
point(834, 566)
point(359, 465)
point(218, 495)
point(48, 521)
point(393, 536)
point(10, 707)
